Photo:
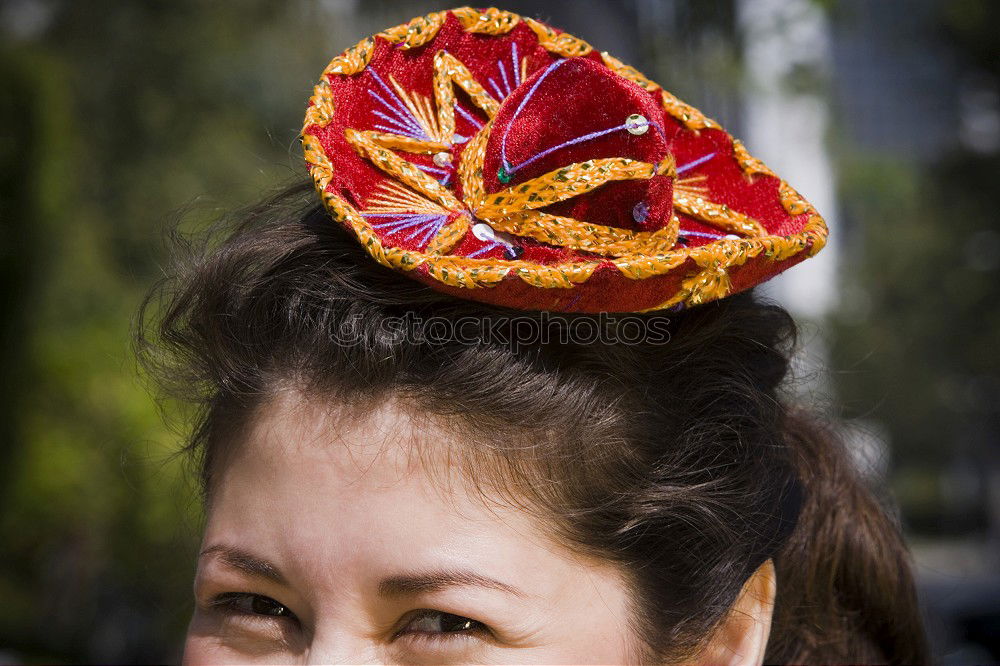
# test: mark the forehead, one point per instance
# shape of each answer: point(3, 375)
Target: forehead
point(329, 483)
point(340, 499)
point(342, 445)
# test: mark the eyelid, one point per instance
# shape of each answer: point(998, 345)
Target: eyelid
point(481, 629)
point(227, 602)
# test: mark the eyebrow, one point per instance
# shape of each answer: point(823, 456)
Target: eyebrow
point(394, 586)
point(411, 584)
point(247, 563)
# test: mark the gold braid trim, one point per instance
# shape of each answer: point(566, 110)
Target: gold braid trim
point(639, 266)
point(449, 70)
point(319, 164)
point(561, 43)
point(449, 236)
point(320, 109)
point(559, 275)
point(471, 273)
point(629, 72)
point(353, 60)
point(792, 200)
point(718, 215)
point(750, 164)
point(712, 280)
point(709, 284)
point(570, 181)
point(407, 144)
point(394, 165)
point(596, 238)
point(492, 21)
point(692, 118)
point(470, 169)
point(417, 32)
point(816, 231)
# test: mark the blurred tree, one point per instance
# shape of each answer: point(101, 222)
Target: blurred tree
point(119, 112)
point(919, 315)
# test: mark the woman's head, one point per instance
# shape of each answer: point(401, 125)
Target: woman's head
point(388, 552)
point(633, 486)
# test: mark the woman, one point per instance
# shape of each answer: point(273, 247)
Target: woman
point(519, 403)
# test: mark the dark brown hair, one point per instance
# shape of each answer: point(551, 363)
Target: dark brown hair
point(681, 461)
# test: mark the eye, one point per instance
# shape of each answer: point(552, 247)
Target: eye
point(435, 622)
point(252, 604)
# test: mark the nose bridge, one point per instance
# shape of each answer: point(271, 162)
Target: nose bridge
point(339, 645)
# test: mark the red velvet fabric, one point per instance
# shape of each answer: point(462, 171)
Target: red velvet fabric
point(580, 96)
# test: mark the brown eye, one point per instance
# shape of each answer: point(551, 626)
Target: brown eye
point(267, 606)
point(253, 604)
point(436, 622)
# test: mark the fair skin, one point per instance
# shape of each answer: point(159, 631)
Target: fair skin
point(329, 541)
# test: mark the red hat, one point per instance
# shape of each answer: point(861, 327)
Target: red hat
point(497, 159)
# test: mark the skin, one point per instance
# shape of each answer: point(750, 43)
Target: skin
point(328, 540)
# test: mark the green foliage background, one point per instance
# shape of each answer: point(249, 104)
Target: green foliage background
point(118, 119)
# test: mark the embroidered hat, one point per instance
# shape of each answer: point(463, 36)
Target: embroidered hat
point(498, 159)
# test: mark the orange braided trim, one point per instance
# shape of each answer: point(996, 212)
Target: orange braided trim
point(417, 32)
point(711, 283)
point(461, 274)
point(449, 236)
point(792, 200)
point(639, 266)
point(421, 30)
point(596, 238)
point(712, 280)
point(718, 215)
point(364, 142)
point(320, 109)
point(692, 118)
point(629, 72)
point(750, 164)
point(492, 21)
point(561, 43)
point(470, 169)
point(816, 231)
point(567, 182)
point(562, 276)
point(449, 71)
point(407, 144)
point(353, 60)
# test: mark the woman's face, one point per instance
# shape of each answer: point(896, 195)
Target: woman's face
point(329, 542)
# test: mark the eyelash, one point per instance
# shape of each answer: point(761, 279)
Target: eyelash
point(476, 628)
point(232, 602)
